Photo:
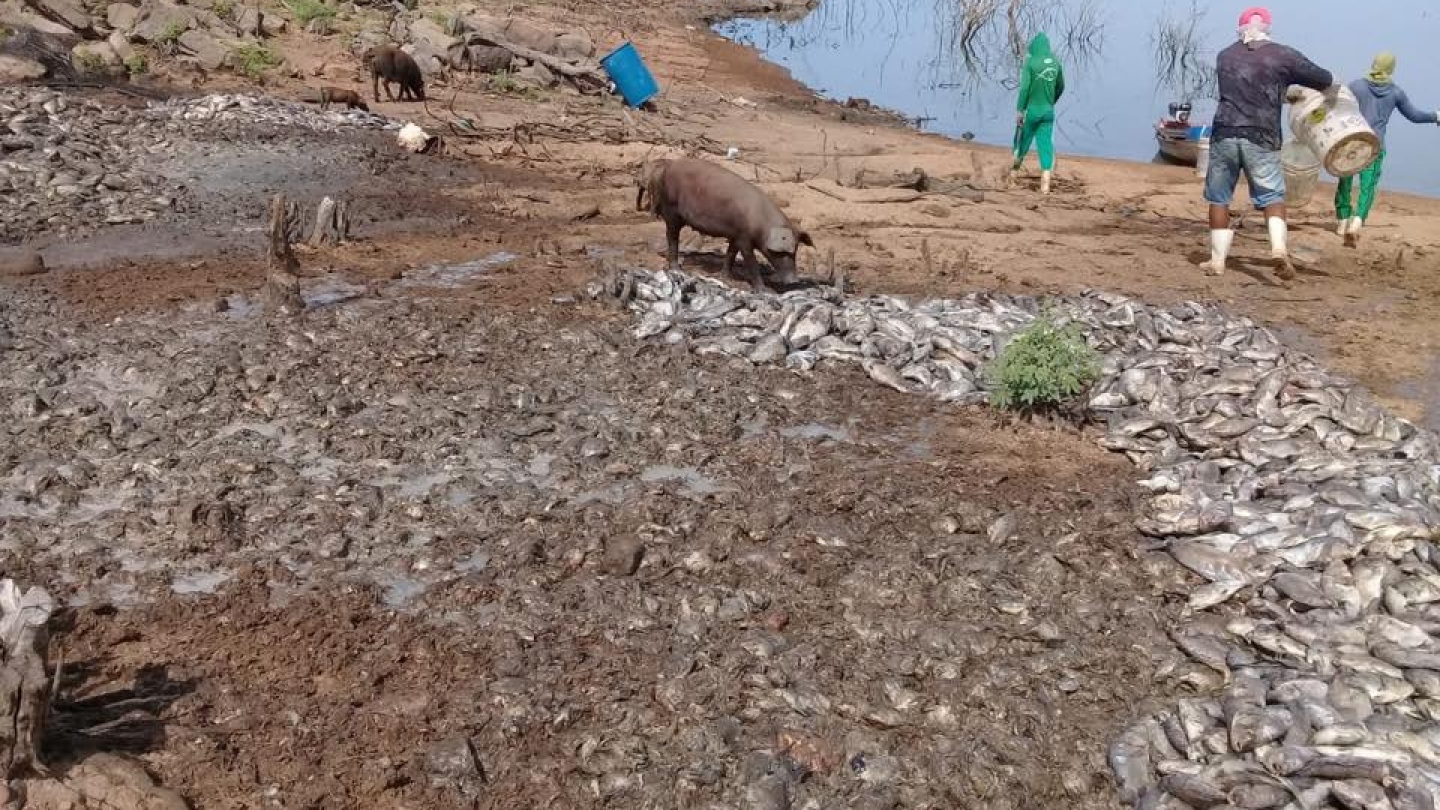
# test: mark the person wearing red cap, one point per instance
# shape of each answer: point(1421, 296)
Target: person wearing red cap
point(1253, 75)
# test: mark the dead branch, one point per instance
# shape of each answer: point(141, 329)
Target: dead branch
point(24, 687)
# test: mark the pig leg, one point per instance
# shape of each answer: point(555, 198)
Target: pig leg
point(730, 251)
point(672, 241)
point(375, 86)
point(753, 268)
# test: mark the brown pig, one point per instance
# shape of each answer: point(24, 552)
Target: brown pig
point(717, 202)
point(335, 95)
point(391, 64)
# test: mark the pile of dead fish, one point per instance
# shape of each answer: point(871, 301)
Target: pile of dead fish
point(69, 164)
point(251, 109)
point(1310, 511)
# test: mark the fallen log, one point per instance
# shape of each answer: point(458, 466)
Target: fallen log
point(579, 75)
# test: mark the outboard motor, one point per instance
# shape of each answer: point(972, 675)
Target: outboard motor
point(1180, 111)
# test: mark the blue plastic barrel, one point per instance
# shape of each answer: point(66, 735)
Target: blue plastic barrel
point(625, 67)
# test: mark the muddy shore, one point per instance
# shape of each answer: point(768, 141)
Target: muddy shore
point(456, 538)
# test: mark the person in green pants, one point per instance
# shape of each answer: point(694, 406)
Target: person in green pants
point(1042, 82)
point(1379, 98)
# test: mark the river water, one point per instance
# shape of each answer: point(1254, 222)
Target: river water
point(913, 56)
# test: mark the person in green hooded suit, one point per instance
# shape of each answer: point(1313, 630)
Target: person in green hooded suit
point(1379, 97)
point(1042, 82)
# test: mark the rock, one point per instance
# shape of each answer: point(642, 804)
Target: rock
point(250, 22)
point(623, 555)
point(121, 16)
point(206, 49)
point(273, 24)
point(428, 32)
point(65, 12)
point(480, 59)
point(528, 34)
point(95, 58)
point(431, 62)
point(159, 23)
point(574, 45)
point(121, 46)
point(366, 40)
point(453, 763)
point(320, 26)
point(20, 69)
point(536, 74)
point(28, 262)
point(483, 24)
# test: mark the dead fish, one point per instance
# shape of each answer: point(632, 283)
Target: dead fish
point(1258, 797)
point(1285, 760)
point(1399, 633)
point(1350, 701)
point(1341, 734)
point(1252, 728)
point(1409, 798)
point(884, 374)
point(1340, 766)
point(1299, 689)
point(1425, 681)
point(1130, 761)
point(1404, 658)
point(1303, 589)
point(1207, 650)
point(1360, 794)
point(1195, 791)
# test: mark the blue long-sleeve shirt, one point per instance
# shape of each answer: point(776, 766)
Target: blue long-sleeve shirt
point(1379, 101)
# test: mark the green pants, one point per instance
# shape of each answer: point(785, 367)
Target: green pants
point(1369, 182)
point(1039, 129)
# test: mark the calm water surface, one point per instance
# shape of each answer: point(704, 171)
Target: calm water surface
point(907, 55)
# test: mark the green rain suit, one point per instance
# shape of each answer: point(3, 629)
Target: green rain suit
point(1042, 82)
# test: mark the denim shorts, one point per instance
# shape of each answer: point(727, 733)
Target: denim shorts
point(1231, 156)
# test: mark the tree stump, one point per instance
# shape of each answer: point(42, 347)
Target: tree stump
point(332, 223)
point(282, 284)
point(24, 687)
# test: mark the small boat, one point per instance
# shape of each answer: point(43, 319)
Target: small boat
point(1180, 141)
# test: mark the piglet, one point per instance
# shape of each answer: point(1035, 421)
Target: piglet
point(717, 202)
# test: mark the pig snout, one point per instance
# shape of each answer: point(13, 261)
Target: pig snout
point(784, 267)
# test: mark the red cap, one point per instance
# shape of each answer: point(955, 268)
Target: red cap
point(1255, 11)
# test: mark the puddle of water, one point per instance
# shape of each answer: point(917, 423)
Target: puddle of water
point(118, 594)
point(815, 430)
point(202, 582)
point(614, 495)
point(453, 275)
point(473, 564)
point(907, 57)
point(693, 483)
point(399, 590)
point(330, 291)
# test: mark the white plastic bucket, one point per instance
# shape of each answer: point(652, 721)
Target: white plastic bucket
point(1202, 158)
point(1302, 172)
point(1338, 134)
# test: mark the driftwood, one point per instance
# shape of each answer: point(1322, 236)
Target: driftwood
point(584, 78)
point(332, 223)
point(282, 284)
point(24, 688)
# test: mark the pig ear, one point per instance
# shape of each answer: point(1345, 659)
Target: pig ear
point(780, 240)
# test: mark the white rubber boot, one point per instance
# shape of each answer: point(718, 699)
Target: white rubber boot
point(1352, 231)
point(1342, 228)
point(1279, 248)
point(1220, 241)
point(1045, 182)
